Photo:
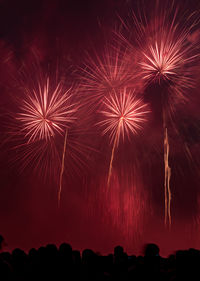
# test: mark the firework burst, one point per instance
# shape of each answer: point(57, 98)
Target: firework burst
point(170, 56)
point(45, 113)
point(167, 56)
point(167, 44)
point(124, 115)
point(164, 59)
point(107, 73)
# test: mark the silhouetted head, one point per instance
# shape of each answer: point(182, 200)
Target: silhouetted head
point(88, 256)
point(118, 251)
point(19, 256)
point(65, 253)
point(151, 250)
point(32, 254)
point(51, 251)
point(1, 242)
point(65, 249)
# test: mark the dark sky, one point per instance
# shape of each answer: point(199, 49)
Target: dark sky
point(61, 33)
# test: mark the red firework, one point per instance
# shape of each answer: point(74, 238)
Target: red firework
point(124, 114)
point(47, 129)
point(45, 112)
point(167, 54)
point(107, 73)
point(166, 50)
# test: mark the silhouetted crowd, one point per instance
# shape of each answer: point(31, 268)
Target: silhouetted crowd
point(64, 263)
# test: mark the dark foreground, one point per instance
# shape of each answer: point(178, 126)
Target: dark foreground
point(64, 263)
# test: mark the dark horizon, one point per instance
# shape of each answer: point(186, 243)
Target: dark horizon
point(54, 39)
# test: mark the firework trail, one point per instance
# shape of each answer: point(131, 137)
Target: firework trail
point(62, 168)
point(113, 151)
point(124, 114)
point(167, 174)
point(46, 113)
point(167, 57)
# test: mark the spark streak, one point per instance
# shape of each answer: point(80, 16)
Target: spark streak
point(113, 151)
point(108, 73)
point(124, 115)
point(167, 174)
point(46, 114)
point(168, 57)
point(62, 168)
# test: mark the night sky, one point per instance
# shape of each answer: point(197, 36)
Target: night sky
point(54, 38)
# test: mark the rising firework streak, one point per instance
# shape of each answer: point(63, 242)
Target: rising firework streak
point(124, 114)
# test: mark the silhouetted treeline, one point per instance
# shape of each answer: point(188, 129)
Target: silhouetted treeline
point(64, 263)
